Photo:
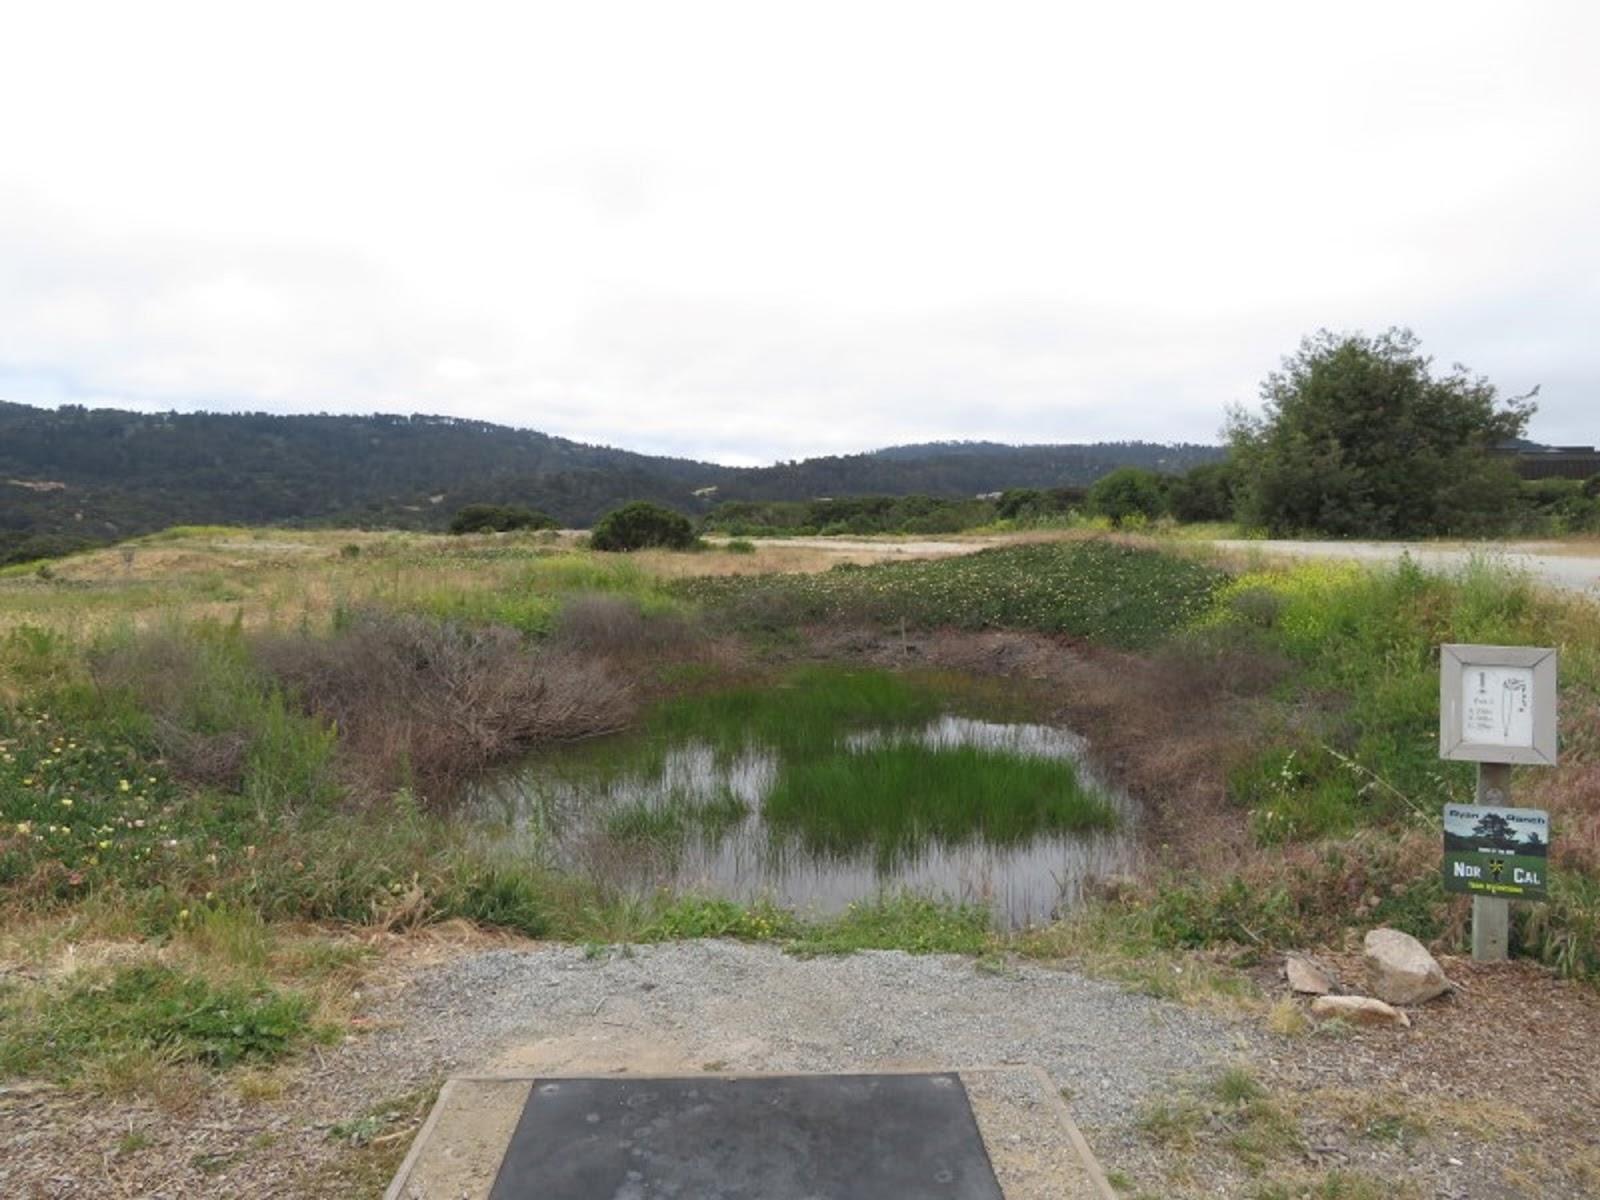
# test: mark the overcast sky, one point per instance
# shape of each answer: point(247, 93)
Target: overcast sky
point(756, 230)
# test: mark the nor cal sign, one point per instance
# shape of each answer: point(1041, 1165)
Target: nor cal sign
point(1496, 851)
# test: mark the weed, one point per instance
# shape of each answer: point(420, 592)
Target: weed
point(1252, 1126)
point(704, 917)
point(669, 823)
point(148, 1008)
point(1287, 1018)
point(495, 896)
point(902, 922)
point(1237, 1086)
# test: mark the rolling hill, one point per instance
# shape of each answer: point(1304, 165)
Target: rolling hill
point(75, 476)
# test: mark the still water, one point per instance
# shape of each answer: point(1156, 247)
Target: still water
point(558, 809)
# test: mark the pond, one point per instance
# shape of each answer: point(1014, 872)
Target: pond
point(833, 787)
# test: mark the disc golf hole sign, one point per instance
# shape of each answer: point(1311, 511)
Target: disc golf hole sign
point(1497, 704)
point(1497, 707)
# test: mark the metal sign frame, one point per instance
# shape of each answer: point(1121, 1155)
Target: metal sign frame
point(1455, 661)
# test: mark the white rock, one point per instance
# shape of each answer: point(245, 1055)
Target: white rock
point(1400, 969)
point(1359, 1010)
point(1307, 976)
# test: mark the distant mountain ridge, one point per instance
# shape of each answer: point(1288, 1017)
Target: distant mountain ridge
point(95, 475)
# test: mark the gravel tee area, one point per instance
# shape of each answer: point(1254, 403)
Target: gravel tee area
point(1430, 1111)
point(672, 1008)
point(748, 1008)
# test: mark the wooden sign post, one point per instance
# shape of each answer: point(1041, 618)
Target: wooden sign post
point(1497, 707)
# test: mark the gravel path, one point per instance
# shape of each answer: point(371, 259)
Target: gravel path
point(739, 1007)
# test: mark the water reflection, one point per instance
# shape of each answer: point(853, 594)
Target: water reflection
point(561, 810)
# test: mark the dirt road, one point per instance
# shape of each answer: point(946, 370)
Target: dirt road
point(1555, 564)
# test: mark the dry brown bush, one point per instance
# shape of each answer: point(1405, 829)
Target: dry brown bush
point(163, 669)
point(615, 627)
point(430, 704)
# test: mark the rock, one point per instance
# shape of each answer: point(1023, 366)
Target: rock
point(1358, 1010)
point(1307, 976)
point(1400, 969)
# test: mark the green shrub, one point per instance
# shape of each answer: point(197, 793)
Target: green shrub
point(499, 518)
point(642, 525)
point(1127, 494)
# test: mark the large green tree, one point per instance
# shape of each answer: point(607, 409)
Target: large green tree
point(1128, 492)
point(1359, 437)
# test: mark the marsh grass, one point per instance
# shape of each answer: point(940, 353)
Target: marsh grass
point(799, 712)
point(896, 797)
point(677, 818)
point(890, 794)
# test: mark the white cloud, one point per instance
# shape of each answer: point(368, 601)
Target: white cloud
point(747, 231)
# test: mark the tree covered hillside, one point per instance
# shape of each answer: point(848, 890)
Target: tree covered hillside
point(76, 476)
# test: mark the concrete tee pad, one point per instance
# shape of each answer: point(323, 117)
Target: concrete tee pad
point(990, 1134)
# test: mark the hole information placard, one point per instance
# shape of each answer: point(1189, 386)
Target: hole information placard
point(1497, 704)
point(1496, 851)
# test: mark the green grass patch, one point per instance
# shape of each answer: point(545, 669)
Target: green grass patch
point(147, 1008)
point(1366, 645)
point(714, 917)
point(1097, 589)
point(900, 922)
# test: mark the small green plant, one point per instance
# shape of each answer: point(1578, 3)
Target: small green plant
point(900, 922)
point(504, 898)
point(149, 1008)
point(710, 917)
